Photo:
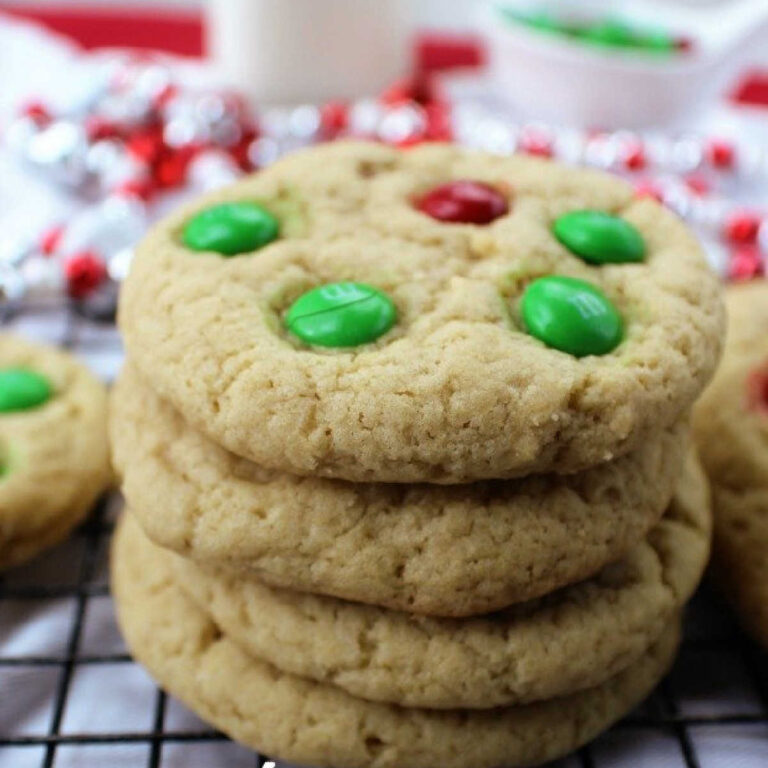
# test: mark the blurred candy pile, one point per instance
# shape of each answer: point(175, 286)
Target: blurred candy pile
point(602, 32)
point(142, 134)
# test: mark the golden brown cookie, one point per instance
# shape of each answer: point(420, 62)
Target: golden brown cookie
point(291, 718)
point(731, 424)
point(441, 550)
point(571, 640)
point(54, 458)
point(447, 365)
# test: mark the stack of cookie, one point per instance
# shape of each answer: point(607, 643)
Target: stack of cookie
point(404, 446)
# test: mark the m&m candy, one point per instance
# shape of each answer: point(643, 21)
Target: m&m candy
point(341, 315)
point(571, 315)
point(600, 238)
point(22, 389)
point(757, 389)
point(604, 32)
point(610, 32)
point(464, 202)
point(231, 229)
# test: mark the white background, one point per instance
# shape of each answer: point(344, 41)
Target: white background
point(434, 13)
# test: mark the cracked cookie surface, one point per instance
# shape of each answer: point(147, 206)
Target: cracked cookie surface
point(54, 454)
point(291, 718)
point(731, 428)
point(570, 640)
point(441, 550)
point(456, 390)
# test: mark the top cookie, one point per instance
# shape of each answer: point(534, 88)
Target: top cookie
point(443, 356)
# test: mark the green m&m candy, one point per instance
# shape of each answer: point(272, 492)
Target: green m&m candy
point(571, 315)
point(231, 229)
point(541, 20)
point(610, 32)
point(341, 315)
point(658, 41)
point(613, 33)
point(600, 238)
point(22, 389)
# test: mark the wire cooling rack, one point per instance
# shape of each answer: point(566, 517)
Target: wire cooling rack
point(71, 697)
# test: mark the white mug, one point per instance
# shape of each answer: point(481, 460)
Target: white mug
point(292, 51)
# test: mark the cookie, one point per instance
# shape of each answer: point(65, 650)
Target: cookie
point(731, 424)
point(452, 551)
point(54, 458)
point(334, 316)
point(573, 639)
point(309, 723)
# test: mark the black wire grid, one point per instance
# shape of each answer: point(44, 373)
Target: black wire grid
point(70, 696)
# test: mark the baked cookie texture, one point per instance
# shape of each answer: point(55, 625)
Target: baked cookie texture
point(731, 429)
point(291, 718)
point(457, 390)
point(55, 457)
point(375, 517)
point(451, 551)
point(570, 640)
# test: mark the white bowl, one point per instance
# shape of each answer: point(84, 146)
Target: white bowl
point(549, 77)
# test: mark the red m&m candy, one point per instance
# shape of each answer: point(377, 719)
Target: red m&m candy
point(84, 272)
point(464, 202)
point(721, 154)
point(742, 227)
point(757, 389)
point(50, 239)
point(745, 263)
point(634, 158)
point(37, 111)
